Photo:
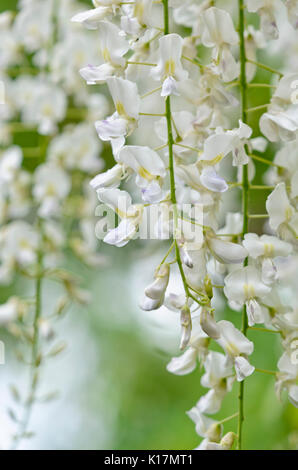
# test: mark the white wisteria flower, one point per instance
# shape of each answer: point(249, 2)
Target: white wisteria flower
point(51, 186)
point(113, 47)
point(10, 163)
point(219, 377)
point(127, 103)
point(9, 311)
point(155, 292)
point(237, 347)
point(220, 144)
point(292, 10)
point(265, 249)
point(19, 244)
point(267, 11)
point(224, 251)
point(280, 210)
point(245, 286)
point(92, 18)
point(150, 170)
point(205, 426)
point(131, 214)
point(137, 17)
point(219, 33)
point(169, 69)
point(175, 147)
point(109, 179)
point(287, 378)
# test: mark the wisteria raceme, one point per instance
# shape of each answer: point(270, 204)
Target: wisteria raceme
point(197, 104)
point(46, 203)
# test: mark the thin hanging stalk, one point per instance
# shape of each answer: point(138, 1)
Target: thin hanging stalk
point(168, 115)
point(35, 356)
point(245, 194)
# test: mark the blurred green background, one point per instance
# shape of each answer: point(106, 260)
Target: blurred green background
point(115, 390)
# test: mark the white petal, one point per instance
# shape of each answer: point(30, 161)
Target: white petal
point(218, 28)
point(209, 325)
point(125, 95)
point(210, 403)
point(91, 18)
point(243, 368)
point(169, 87)
point(212, 181)
point(119, 201)
point(233, 341)
point(293, 395)
point(157, 289)
point(184, 364)
point(111, 128)
point(110, 178)
point(278, 206)
point(94, 75)
point(121, 235)
point(226, 252)
point(269, 271)
point(148, 304)
point(254, 312)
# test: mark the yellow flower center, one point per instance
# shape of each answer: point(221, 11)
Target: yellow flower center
point(288, 213)
point(106, 55)
point(268, 250)
point(169, 68)
point(47, 110)
point(120, 109)
point(249, 291)
point(50, 190)
point(24, 244)
point(139, 11)
point(232, 350)
point(216, 159)
point(145, 174)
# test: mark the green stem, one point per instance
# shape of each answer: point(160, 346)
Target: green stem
point(245, 192)
point(35, 357)
point(260, 85)
point(168, 115)
point(262, 187)
point(152, 114)
point(258, 216)
point(257, 108)
point(265, 330)
point(193, 61)
point(264, 160)
point(193, 149)
point(264, 67)
point(151, 92)
point(265, 371)
point(225, 420)
point(149, 64)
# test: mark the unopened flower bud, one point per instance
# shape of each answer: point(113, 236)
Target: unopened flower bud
point(228, 441)
point(208, 287)
point(208, 324)
point(157, 289)
point(185, 257)
point(46, 329)
point(185, 320)
point(214, 432)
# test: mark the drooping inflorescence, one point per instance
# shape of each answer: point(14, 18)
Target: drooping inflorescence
point(181, 77)
point(49, 150)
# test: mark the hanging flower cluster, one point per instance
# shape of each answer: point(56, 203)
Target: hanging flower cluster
point(43, 208)
point(180, 134)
